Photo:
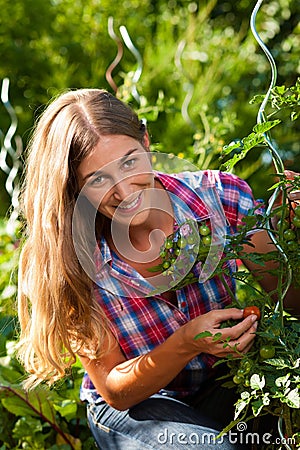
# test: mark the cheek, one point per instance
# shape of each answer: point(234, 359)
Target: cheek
point(98, 200)
point(146, 179)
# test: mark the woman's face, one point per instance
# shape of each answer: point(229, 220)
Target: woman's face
point(117, 179)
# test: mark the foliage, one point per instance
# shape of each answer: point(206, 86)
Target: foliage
point(200, 55)
point(267, 378)
point(40, 419)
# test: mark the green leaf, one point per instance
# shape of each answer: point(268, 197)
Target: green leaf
point(257, 99)
point(293, 399)
point(257, 406)
point(34, 403)
point(203, 334)
point(217, 337)
point(27, 426)
point(256, 382)
point(265, 126)
point(155, 268)
point(67, 408)
point(241, 404)
point(280, 89)
point(280, 363)
point(283, 381)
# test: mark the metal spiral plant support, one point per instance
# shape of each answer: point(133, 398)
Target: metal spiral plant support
point(189, 87)
point(8, 152)
point(278, 163)
point(138, 72)
point(129, 44)
point(279, 167)
point(118, 57)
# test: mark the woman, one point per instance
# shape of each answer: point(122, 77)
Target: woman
point(97, 215)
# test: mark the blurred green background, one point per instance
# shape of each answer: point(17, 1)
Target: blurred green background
point(200, 67)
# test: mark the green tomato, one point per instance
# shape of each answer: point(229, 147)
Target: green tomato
point(191, 239)
point(181, 243)
point(289, 234)
point(296, 221)
point(267, 351)
point(241, 372)
point(292, 246)
point(237, 379)
point(246, 366)
point(204, 230)
point(168, 244)
point(283, 224)
point(206, 240)
point(297, 210)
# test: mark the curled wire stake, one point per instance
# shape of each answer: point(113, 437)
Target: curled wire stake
point(11, 185)
point(278, 163)
point(261, 113)
point(188, 87)
point(137, 74)
point(118, 57)
point(13, 125)
point(6, 139)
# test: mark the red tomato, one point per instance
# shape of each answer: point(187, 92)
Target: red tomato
point(251, 310)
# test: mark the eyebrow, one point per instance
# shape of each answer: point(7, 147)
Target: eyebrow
point(99, 172)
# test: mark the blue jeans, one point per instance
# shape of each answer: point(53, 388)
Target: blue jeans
point(158, 423)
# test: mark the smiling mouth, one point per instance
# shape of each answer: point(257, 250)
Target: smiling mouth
point(129, 207)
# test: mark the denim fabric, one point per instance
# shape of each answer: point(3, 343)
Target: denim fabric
point(156, 423)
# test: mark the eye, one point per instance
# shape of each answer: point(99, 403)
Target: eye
point(129, 163)
point(99, 179)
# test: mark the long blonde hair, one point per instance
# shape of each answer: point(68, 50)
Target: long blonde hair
point(57, 311)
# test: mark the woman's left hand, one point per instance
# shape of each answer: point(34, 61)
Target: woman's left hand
point(293, 195)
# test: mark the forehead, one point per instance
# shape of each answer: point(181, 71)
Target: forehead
point(108, 150)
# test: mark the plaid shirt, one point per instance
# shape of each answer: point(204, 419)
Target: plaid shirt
point(142, 321)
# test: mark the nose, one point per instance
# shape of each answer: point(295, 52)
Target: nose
point(122, 190)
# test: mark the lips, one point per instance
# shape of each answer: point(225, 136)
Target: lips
point(130, 207)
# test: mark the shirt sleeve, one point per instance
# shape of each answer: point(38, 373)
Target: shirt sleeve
point(236, 197)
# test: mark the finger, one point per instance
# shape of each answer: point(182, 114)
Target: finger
point(244, 343)
point(294, 195)
point(221, 315)
point(240, 328)
point(290, 174)
point(236, 347)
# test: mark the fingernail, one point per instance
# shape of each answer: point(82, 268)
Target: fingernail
point(294, 195)
point(254, 318)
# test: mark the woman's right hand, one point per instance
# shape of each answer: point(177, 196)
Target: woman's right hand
point(123, 383)
point(239, 338)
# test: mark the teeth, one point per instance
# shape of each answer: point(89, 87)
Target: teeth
point(131, 205)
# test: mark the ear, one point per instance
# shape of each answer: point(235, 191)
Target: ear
point(146, 141)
